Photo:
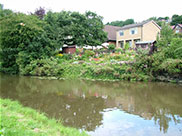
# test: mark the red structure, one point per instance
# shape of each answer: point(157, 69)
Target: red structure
point(69, 49)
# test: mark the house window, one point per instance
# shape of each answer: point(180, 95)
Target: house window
point(121, 33)
point(133, 31)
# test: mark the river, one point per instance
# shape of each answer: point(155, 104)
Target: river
point(102, 108)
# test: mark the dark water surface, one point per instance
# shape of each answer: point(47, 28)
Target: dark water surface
point(102, 108)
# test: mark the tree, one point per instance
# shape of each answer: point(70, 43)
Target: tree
point(159, 20)
point(4, 12)
point(57, 27)
point(176, 19)
point(22, 39)
point(166, 36)
point(128, 21)
point(40, 12)
point(94, 29)
point(121, 23)
point(73, 28)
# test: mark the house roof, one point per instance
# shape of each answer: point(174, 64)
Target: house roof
point(111, 30)
point(180, 25)
point(138, 25)
point(174, 26)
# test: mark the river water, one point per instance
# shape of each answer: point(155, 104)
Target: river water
point(102, 108)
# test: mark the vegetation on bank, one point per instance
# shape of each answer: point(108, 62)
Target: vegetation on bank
point(16, 120)
point(25, 38)
point(30, 45)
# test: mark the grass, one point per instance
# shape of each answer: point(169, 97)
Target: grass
point(16, 120)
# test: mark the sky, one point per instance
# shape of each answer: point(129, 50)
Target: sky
point(111, 10)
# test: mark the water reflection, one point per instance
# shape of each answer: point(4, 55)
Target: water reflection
point(98, 106)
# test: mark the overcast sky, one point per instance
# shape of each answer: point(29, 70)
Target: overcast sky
point(111, 10)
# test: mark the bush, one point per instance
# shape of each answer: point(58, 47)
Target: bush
point(43, 67)
point(172, 66)
point(22, 40)
point(126, 46)
point(175, 49)
point(89, 53)
point(119, 50)
point(111, 47)
point(143, 62)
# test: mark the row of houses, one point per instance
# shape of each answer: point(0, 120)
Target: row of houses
point(139, 34)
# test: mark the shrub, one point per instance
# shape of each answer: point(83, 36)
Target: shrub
point(89, 53)
point(172, 66)
point(43, 67)
point(111, 47)
point(67, 57)
point(126, 46)
point(175, 48)
point(119, 50)
point(143, 62)
point(22, 40)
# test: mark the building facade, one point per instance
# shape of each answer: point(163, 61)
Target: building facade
point(144, 31)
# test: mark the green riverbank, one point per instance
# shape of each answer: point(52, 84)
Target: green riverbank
point(16, 120)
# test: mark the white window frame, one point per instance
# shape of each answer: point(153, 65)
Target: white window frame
point(135, 30)
point(121, 32)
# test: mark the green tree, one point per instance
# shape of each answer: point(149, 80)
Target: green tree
point(94, 34)
point(56, 27)
point(4, 12)
point(66, 28)
point(121, 23)
point(128, 21)
point(159, 20)
point(166, 36)
point(176, 19)
point(22, 39)
point(73, 28)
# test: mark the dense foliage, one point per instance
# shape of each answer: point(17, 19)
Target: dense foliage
point(29, 45)
point(176, 19)
point(25, 38)
point(4, 12)
point(73, 28)
point(121, 23)
point(167, 61)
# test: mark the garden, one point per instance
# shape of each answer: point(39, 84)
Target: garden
point(30, 46)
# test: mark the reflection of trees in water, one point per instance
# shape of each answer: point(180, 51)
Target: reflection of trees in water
point(79, 112)
point(75, 112)
point(74, 101)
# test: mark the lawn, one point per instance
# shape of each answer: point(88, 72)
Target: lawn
point(16, 120)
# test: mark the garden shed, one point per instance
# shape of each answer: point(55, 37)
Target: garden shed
point(146, 45)
point(69, 49)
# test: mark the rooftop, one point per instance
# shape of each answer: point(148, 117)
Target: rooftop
point(111, 30)
point(137, 25)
